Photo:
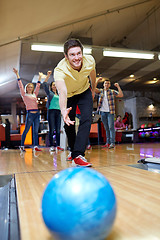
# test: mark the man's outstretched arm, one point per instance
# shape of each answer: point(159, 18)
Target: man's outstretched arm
point(62, 90)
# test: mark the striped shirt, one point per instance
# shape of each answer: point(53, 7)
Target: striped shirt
point(110, 97)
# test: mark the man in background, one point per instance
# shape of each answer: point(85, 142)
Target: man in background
point(106, 106)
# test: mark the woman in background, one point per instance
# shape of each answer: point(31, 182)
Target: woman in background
point(29, 96)
point(53, 112)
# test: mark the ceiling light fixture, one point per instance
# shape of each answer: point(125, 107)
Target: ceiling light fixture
point(132, 75)
point(127, 53)
point(47, 48)
point(151, 82)
point(87, 50)
point(54, 48)
point(151, 106)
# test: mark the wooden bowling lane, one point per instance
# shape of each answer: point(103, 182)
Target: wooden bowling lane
point(137, 190)
point(138, 197)
point(12, 161)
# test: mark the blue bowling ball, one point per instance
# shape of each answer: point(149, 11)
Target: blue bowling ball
point(79, 204)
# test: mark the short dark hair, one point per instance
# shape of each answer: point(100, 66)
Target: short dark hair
point(107, 80)
point(73, 42)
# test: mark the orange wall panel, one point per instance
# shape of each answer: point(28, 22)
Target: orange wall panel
point(28, 140)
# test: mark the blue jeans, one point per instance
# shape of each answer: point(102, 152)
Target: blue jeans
point(54, 121)
point(108, 122)
point(31, 119)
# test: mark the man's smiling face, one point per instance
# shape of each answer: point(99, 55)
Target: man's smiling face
point(75, 58)
point(106, 85)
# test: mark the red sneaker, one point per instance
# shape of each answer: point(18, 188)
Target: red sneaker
point(80, 161)
point(69, 157)
point(37, 149)
point(106, 145)
point(59, 148)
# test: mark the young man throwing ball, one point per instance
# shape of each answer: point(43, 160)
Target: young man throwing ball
point(71, 77)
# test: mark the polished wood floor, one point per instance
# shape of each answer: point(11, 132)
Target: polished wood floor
point(137, 190)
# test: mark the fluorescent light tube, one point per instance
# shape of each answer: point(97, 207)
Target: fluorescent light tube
point(87, 50)
point(55, 48)
point(113, 52)
point(47, 48)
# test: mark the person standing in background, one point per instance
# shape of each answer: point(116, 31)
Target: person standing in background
point(106, 106)
point(53, 112)
point(29, 96)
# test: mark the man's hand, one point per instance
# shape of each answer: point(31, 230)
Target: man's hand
point(100, 79)
point(120, 93)
point(116, 85)
point(66, 118)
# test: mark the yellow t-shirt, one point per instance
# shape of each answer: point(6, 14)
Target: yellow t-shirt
point(76, 82)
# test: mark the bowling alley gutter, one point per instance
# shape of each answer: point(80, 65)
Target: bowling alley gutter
point(9, 221)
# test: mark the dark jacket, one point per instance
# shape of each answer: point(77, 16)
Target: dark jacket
point(49, 93)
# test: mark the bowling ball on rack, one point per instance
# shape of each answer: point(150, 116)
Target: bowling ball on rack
point(155, 134)
point(79, 204)
point(143, 134)
point(147, 134)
